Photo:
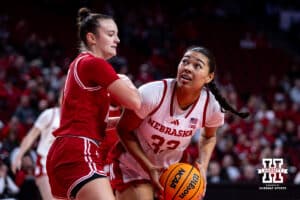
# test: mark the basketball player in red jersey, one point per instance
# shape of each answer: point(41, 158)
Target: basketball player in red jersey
point(111, 136)
point(73, 162)
point(156, 135)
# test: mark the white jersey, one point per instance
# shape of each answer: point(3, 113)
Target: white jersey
point(166, 130)
point(47, 122)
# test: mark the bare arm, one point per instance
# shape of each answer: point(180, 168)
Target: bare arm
point(24, 147)
point(207, 144)
point(128, 122)
point(125, 93)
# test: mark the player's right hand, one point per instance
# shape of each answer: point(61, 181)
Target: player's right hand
point(16, 165)
point(127, 80)
point(155, 172)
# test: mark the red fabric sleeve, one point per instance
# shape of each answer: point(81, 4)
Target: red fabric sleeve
point(96, 71)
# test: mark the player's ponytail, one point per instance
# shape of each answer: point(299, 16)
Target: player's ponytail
point(83, 13)
point(88, 22)
point(225, 106)
point(222, 101)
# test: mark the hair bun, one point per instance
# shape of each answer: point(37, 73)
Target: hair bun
point(83, 13)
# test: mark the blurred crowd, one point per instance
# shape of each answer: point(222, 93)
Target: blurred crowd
point(253, 75)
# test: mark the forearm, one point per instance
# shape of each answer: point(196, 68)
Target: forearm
point(28, 141)
point(206, 147)
point(131, 144)
point(25, 145)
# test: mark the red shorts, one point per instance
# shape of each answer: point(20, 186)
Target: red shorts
point(72, 162)
point(115, 171)
point(116, 178)
point(40, 167)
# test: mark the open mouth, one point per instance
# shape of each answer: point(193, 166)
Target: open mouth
point(185, 77)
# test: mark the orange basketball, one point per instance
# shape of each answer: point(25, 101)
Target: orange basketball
point(182, 181)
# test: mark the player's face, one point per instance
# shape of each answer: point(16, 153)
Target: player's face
point(193, 71)
point(107, 39)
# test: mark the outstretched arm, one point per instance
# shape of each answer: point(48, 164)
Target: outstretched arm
point(124, 91)
point(128, 122)
point(24, 147)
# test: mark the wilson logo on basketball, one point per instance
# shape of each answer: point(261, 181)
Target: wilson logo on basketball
point(177, 178)
point(190, 186)
point(182, 181)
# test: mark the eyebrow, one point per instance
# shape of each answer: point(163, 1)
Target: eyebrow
point(197, 59)
point(111, 31)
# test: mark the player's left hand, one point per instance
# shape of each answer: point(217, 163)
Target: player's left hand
point(203, 173)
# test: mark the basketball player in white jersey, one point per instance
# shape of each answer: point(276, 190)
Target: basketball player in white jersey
point(156, 135)
point(45, 124)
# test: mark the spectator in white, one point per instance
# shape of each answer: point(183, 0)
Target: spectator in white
point(295, 92)
point(214, 172)
point(8, 188)
point(230, 169)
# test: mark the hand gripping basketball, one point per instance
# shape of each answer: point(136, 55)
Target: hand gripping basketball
point(182, 181)
point(203, 172)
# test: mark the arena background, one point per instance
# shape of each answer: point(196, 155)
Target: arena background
point(256, 44)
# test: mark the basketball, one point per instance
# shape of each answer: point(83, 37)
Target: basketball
point(182, 181)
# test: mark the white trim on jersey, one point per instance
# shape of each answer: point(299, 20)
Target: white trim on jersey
point(77, 79)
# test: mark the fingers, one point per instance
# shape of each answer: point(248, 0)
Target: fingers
point(203, 173)
point(127, 80)
point(155, 175)
point(16, 166)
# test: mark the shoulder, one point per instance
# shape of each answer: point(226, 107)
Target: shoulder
point(47, 111)
point(151, 85)
point(159, 85)
point(215, 116)
point(44, 117)
point(92, 60)
point(213, 104)
point(151, 94)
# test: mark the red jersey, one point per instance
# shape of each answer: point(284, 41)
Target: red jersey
point(84, 109)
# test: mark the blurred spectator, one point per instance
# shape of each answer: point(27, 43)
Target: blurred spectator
point(248, 42)
point(8, 189)
point(229, 169)
point(144, 75)
point(249, 174)
point(25, 112)
point(297, 178)
point(214, 173)
point(12, 134)
point(295, 92)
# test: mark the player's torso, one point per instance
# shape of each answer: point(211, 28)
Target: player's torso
point(84, 108)
point(47, 137)
point(165, 134)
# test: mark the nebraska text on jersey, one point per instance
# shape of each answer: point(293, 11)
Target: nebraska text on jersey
point(167, 130)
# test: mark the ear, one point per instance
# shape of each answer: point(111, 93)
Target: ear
point(210, 77)
point(91, 38)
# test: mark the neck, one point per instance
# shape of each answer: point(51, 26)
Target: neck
point(94, 52)
point(186, 98)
